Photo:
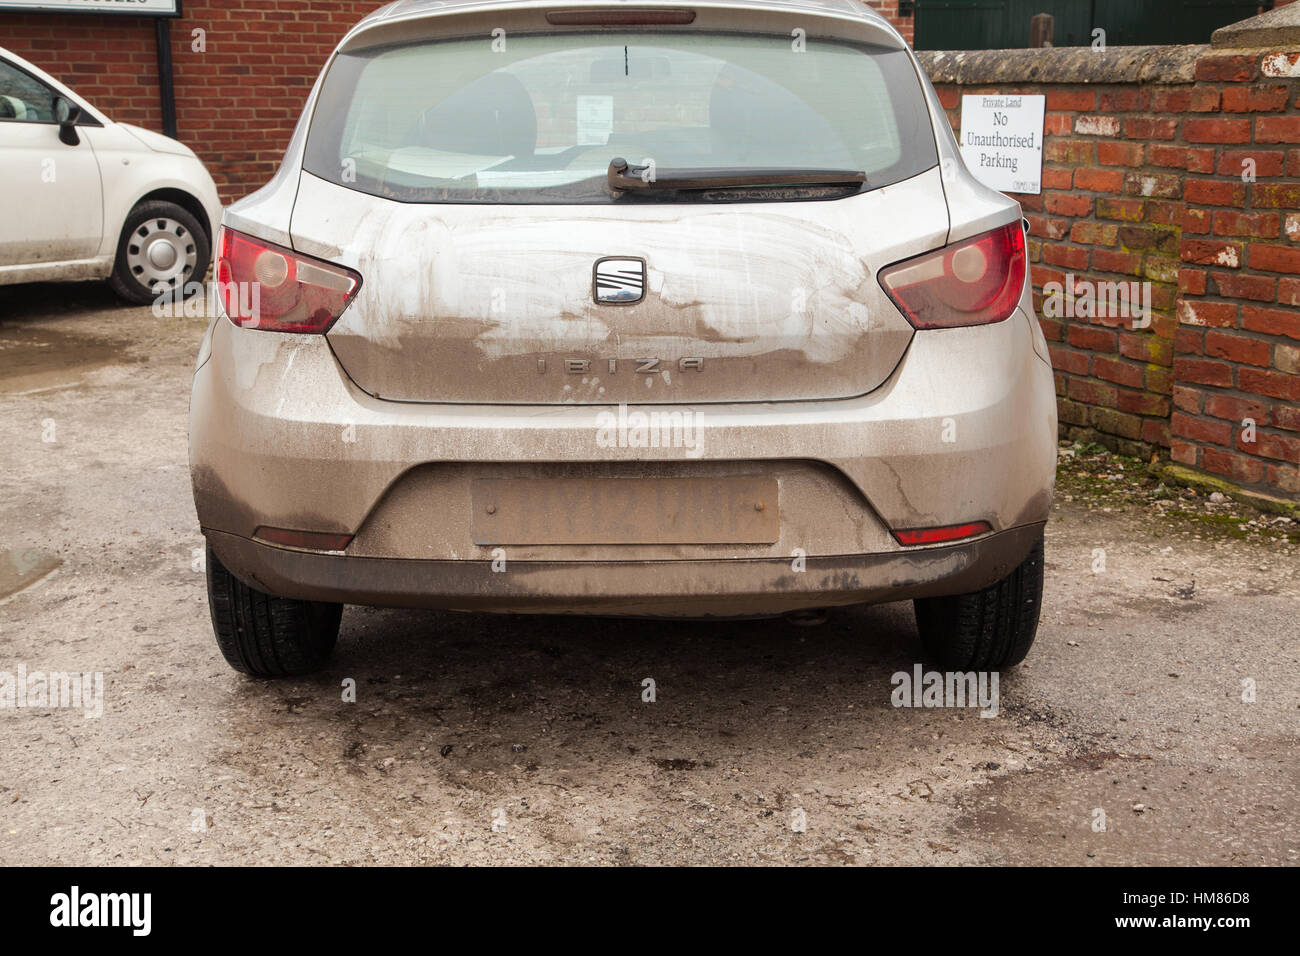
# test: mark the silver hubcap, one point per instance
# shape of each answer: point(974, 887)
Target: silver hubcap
point(161, 254)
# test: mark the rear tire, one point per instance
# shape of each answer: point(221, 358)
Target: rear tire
point(161, 252)
point(268, 636)
point(985, 630)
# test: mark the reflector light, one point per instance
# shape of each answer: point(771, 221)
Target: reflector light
point(952, 532)
point(310, 540)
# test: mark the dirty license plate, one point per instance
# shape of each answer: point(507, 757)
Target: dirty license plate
point(736, 510)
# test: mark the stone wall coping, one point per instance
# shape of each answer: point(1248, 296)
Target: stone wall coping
point(1276, 28)
point(1118, 64)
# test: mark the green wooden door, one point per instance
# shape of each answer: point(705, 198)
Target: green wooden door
point(1004, 24)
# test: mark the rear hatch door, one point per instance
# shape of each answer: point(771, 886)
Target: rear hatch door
point(736, 302)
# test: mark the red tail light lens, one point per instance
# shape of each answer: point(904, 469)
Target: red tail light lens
point(954, 532)
point(973, 282)
point(269, 287)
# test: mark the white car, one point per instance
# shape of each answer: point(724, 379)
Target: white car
point(86, 198)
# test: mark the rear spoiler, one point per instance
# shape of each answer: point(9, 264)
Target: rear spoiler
point(416, 20)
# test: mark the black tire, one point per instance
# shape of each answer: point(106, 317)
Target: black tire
point(986, 630)
point(268, 636)
point(188, 235)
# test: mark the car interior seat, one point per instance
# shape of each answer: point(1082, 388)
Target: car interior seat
point(490, 116)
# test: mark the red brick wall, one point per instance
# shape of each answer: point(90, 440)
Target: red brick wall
point(1237, 349)
point(236, 102)
point(1145, 183)
point(110, 60)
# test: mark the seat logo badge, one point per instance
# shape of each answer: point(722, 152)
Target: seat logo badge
point(618, 280)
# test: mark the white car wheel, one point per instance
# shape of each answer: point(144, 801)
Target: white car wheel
point(162, 250)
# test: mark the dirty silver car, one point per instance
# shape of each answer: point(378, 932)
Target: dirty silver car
point(665, 310)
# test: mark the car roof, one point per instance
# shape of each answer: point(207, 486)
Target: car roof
point(841, 8)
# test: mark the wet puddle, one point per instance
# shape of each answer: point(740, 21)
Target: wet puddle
point(34, 359)
point(22, 567)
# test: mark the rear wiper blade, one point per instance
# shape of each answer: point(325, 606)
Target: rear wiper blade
point(623, 176)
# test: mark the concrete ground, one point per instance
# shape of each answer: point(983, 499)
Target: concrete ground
point(480, 739)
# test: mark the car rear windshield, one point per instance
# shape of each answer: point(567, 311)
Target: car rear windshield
point(535, 119)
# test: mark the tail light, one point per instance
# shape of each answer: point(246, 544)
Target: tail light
point(973, 282)
point(269, 287)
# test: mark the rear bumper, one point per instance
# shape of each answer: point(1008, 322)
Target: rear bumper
point(280, 437)
point(725, 587)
